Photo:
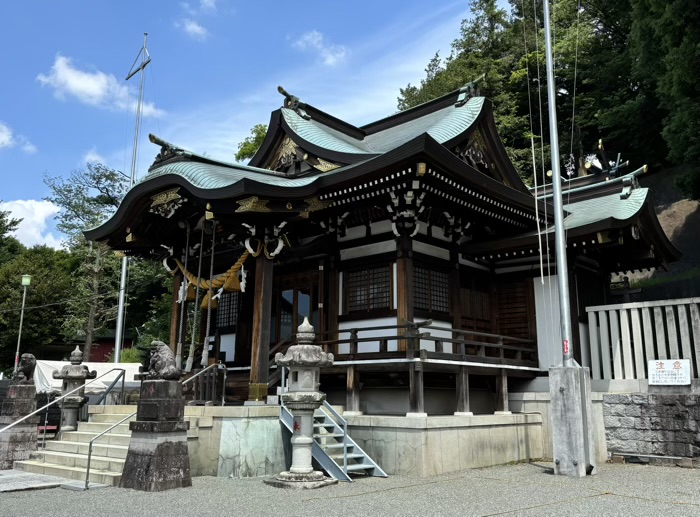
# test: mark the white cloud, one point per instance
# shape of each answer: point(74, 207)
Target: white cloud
point(35, 215)
point(207, 6)
point(94, 88)
point(8, 140)
point(366, 94)
point(92, 156)
point(330, 54)
point(192, 29)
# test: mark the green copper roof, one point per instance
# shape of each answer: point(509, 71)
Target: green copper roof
point(597, 209)
point(442, 125)
point(211, 176)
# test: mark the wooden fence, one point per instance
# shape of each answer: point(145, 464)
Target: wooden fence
point(625, 336)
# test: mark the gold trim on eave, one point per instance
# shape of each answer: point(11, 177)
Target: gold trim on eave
point(252, 204)
point(165, 197)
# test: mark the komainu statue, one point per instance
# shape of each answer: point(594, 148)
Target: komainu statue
point(162, 364)
point(25, 371)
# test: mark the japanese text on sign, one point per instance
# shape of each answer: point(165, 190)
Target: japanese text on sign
point(669, 372)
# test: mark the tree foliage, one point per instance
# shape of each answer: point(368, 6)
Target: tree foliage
point(87, 198)
point(50, 286)
point(248, 147)
point(629, 67)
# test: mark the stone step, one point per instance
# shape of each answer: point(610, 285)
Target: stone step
point(110, 451)
point(69, 459)
point(109, 418)
point(98, 427)
point(104, 477)
point(112, 409)
point(85, 437)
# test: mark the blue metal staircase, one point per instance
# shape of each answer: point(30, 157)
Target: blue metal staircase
point(332, 448)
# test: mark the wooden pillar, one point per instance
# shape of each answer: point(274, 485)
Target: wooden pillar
point(259, 367)
point(502, 393)
point(404, 285)
point(352, 397)
point(415, 390)
point(463, 406)
point(573, 310)
point(333, 309)
point(175, 312)
point(321, 327)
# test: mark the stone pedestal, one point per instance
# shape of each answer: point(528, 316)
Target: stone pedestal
point(19, 442)
point(303, 398)
point(158, 458)
point(74, 376)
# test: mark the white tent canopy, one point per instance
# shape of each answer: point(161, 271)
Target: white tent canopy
point(44, 381)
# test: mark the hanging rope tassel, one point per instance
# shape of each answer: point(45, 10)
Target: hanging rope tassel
point(208, 298)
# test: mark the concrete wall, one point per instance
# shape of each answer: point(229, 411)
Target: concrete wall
point(235, 441)
point(536, 400)
point(437, 445)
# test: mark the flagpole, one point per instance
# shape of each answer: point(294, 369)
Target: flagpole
point(145, 59)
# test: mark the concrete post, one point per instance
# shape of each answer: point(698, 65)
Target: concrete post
point(19, 442)
point(572, 438)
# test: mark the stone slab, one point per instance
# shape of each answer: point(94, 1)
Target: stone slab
point(16, 480)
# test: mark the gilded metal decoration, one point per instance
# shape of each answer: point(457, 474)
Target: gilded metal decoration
point(325, 166)
point(166, 203)
point(286, 155)
point(252, 204)
point(312, 205)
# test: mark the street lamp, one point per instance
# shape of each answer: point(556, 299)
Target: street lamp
point(26, 280)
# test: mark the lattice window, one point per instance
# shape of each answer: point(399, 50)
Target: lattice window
point(431, 289)
point(368, 289)
point(227, 313)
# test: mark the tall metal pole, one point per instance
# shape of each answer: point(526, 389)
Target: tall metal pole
point(19, 336)
point(559, 234)
point(145, 59)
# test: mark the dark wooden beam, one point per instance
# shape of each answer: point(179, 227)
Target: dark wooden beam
point(260, 352)
point(404, 287)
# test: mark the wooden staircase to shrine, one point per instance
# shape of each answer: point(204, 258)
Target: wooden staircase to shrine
point(67, 456)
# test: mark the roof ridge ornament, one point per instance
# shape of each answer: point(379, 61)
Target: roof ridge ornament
point(167, 150)
point(469, 90)
point(293, 103)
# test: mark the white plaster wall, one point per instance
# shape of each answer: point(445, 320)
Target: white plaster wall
point(343, 333)
point(227, 344)
point(547, 316)
point(429, 345)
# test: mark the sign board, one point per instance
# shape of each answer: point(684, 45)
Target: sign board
point(669, 372)
point(273, 399)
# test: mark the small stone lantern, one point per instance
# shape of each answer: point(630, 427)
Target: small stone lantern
point(74, 376)
point(304, 361)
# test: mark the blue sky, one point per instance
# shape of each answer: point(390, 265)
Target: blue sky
point(216, 66)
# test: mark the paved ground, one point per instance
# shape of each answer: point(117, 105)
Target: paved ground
point(514, 490)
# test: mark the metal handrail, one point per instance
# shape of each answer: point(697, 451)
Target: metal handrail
point(89, 459)
point(200, 372)
point(344, 422)
point(103, 398)
point(58, 399)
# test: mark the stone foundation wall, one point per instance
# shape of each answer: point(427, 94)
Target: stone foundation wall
point(652, 424)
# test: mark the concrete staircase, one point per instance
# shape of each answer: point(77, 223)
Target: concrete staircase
point(67, 456)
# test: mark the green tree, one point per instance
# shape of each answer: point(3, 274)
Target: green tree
point(10, 247)
point(87, 198)
point(248, 147)
point(45, 304)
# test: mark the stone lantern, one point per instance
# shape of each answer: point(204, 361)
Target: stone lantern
point(304, 361)
point(74, 376)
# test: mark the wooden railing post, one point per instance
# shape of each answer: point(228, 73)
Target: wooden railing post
point(353, 342)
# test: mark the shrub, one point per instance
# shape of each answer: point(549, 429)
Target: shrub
point(689, 183)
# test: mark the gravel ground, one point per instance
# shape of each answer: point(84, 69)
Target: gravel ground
point(522, 489)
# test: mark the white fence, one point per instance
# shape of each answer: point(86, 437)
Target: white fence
point(625, 336)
